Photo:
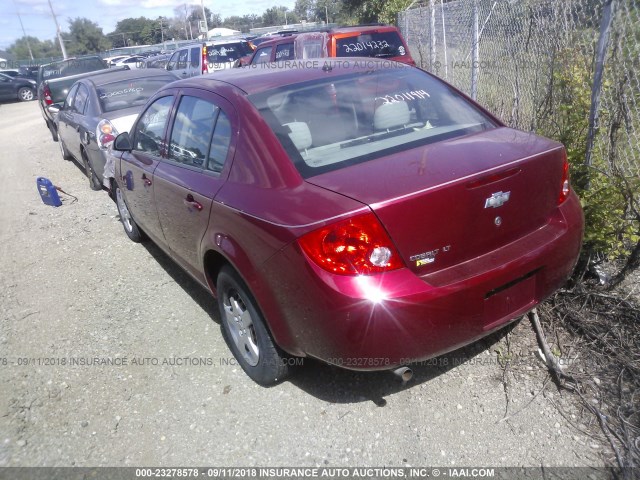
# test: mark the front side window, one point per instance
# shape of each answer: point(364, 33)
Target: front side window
point(148, 133)
point(331, 123)
point(262, 56)
point(191, 133)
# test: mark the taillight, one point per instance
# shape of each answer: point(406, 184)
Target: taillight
point(565, 188)
point(205, 65)
point(47, 95)
point(105, 133)
point(356, 246)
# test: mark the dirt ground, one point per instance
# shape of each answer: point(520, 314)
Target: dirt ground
point(111, 356)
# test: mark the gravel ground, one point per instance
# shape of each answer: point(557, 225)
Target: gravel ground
point(74, 288)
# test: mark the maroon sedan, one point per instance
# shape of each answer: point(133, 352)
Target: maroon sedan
point(364, 213)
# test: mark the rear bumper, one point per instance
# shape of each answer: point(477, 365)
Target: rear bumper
point(378, 322)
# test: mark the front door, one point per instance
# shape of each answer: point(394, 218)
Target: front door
point(137, 166)
point(187, 181)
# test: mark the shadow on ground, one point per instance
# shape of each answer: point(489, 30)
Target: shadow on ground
point(326, 382)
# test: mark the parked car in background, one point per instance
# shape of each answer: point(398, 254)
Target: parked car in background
point(16, 88)
point(29, 71)
point(156, 61)
point(99, 107)
point(377, 41)
point(369, 217)
point(55, 78)
point(278, 49)
point(133, 62)
point(17, 74)
point(207, 57)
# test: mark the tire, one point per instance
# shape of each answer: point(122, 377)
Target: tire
point(63, 150)
point(94, 182)
point(245, 331)
point(129, 224)
point(26, 94)
point(53, 130)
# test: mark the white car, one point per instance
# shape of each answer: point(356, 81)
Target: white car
point(132, 62)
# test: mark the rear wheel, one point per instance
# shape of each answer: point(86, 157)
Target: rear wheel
point(246, 333)
point(94, 181)
point(129, 224)
point(25, 94)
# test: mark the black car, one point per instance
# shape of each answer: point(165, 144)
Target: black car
point(16, 89)
point(99, 107)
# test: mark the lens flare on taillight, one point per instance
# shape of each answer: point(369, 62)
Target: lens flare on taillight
point(356, 246)
point(565, 188)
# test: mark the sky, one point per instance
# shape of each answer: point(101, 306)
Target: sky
point(38, 22)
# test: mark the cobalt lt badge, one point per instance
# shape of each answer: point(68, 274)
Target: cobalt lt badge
point(497, 200)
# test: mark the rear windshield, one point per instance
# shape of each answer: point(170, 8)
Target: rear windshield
point(227, 52)
point(65, 68)
point(332, 123)
point(129, 93)
point(374, 44)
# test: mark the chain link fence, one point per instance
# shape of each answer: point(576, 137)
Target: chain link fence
point(566, 69)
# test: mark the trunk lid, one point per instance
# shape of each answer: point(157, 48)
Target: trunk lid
point(452, 201)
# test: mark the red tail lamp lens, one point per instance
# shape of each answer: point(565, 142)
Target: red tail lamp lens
point(356, 246)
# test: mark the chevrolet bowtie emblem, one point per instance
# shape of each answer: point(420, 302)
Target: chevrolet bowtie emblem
point(497, 200)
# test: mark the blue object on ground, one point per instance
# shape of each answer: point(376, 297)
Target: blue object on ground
point(48, 192)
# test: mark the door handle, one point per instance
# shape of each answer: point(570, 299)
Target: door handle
point(147, 182)
point(191, 202)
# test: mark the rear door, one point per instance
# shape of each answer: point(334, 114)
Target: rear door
point(65, 116)
point(195, 61)
point(136, 167)
point(196, 167)
point(74, 131)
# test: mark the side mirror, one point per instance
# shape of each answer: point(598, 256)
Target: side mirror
point(54, 108)
point(122, 143)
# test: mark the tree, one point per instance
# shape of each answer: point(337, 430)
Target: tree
point(278, 16)
point(368, 11)
point(39, 48)
point(84, 37)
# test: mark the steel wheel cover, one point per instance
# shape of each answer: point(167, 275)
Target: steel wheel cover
point(125, 216)
point(240, 323)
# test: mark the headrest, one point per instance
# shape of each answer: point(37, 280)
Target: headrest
point(300, 135)
point(391, 115)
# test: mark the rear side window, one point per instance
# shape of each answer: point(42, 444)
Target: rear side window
point(227, 52)
point(195, 57)
point(80, 102)
point(69, 100)
point(150, 128)
point(374, 44)
point(219, 143)
point(284, 52)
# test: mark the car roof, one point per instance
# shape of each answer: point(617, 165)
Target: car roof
point(363, 28)
point(106, 78)
point(276, 40)
point(261, 77)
